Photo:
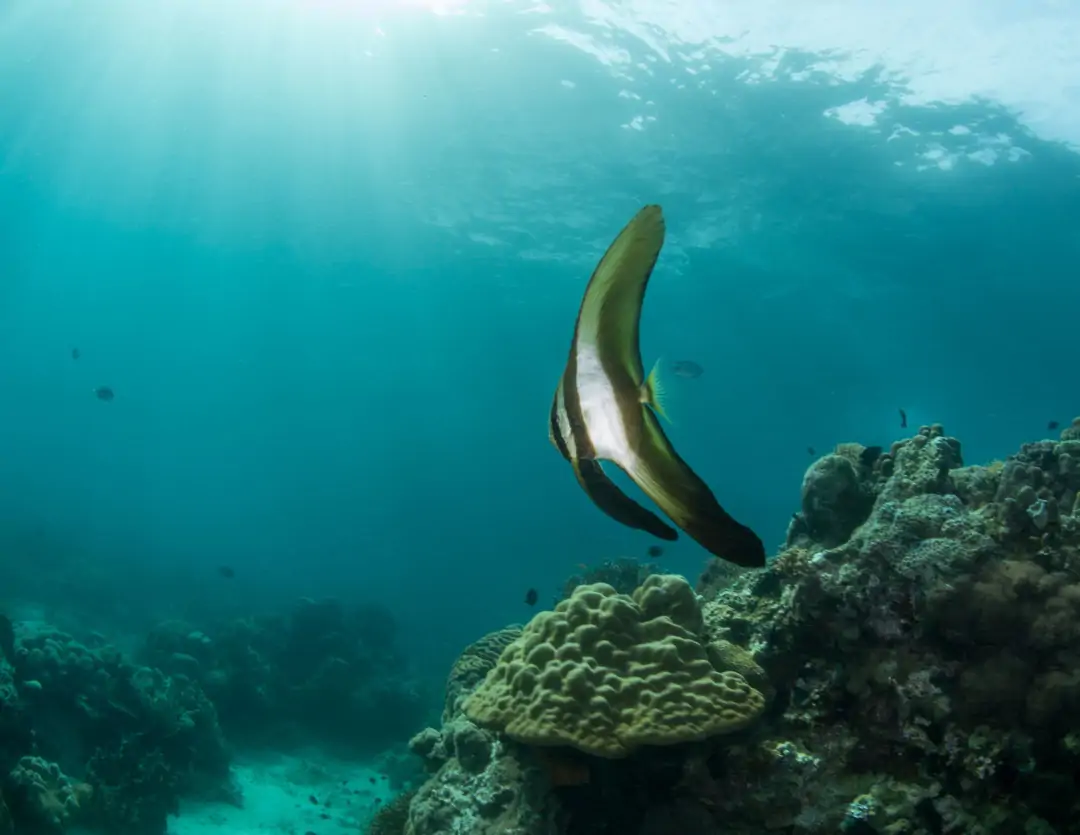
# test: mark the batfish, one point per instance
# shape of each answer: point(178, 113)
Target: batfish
point(606, 409)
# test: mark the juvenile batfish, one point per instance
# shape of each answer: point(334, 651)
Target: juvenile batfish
point(605, 408)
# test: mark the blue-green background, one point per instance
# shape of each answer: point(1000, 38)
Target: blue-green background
point(329, 254)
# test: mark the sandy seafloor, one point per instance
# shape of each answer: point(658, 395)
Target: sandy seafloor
point(290, 795)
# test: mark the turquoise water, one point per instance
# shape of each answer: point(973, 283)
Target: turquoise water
point(328, 255)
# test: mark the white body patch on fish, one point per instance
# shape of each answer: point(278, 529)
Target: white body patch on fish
point(600, 409)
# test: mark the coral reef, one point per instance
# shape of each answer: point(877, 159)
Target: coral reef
point(319, 674)
point(926, 660)
point(641, 682)
point(74, 705)
point(93, 739)
point(914, 650)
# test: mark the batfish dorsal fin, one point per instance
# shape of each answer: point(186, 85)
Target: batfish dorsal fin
point(610, 312)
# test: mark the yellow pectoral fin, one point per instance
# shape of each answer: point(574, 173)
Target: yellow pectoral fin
point(652, 392)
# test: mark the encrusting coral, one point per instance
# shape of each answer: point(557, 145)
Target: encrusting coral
point(607, 673)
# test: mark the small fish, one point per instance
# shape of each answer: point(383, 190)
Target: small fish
point(655, 551)
point(903, 419)
point(531, 596)
point(687, 369)
point(607, 409)
point(104, 393)
point(226, 571)
point(869, 455)
point(75, 353)
point(313, 799)
point(1052, 425)
point(811, 451)
point(371, 780)
point(582, 567)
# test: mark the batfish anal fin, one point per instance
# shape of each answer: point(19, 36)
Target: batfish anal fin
point(668, 480)
point(607, 496)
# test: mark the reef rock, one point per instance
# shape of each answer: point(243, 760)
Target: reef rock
point(927, 661)
point(914, 650)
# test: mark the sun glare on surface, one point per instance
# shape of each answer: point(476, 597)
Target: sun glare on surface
point(266, 116)
point(373, 8)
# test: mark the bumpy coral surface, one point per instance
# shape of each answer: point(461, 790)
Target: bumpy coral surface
point(474, 663)
point(607, 673)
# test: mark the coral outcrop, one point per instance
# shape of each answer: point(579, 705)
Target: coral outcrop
point(70, 706)
point(646, 693)
point(606, 674)
point(915, 647)
point(927, 660)
point(319, 674)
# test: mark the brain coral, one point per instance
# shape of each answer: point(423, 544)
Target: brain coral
point(472, 665)
point(607, 673)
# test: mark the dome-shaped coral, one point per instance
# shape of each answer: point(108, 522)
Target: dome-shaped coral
point(607, 673)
